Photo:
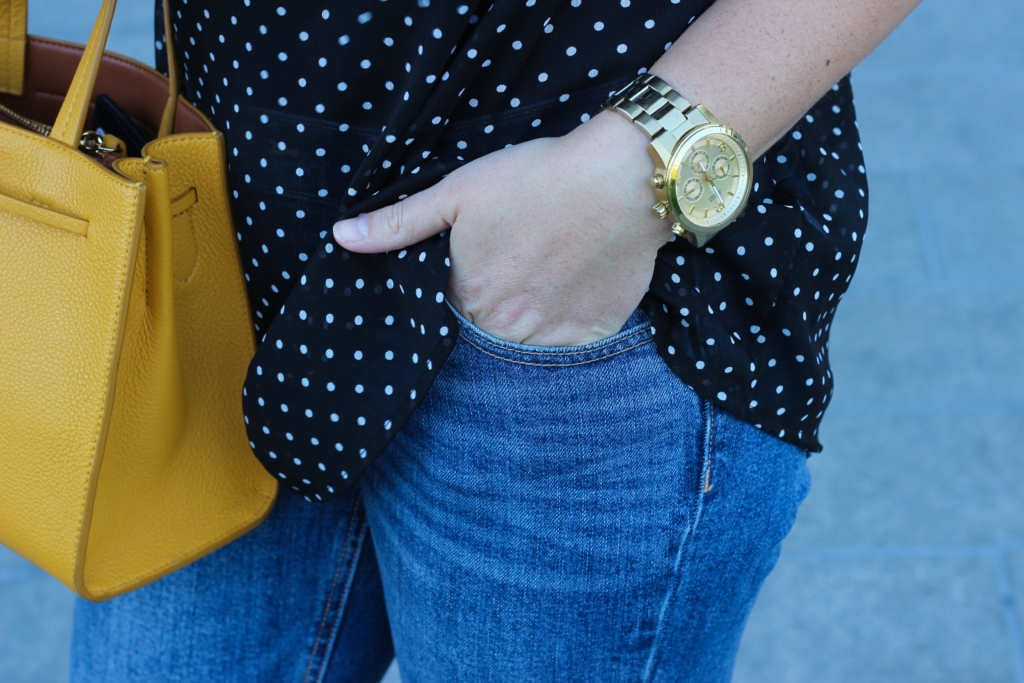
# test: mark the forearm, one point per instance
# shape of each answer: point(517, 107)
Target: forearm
point(758, 65)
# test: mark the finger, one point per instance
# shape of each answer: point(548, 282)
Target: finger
point(411, 220)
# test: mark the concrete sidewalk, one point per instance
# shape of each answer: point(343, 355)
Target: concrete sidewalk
point(907, 561)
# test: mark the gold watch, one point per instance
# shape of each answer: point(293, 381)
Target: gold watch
point(704, 171)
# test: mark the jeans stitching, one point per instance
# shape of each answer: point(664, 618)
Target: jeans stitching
point(330, 593)
point(578, 350)
point(708, 454)
point(651, 668)
point(554, 365)
point(357, 552)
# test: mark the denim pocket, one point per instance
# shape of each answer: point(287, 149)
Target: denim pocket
point(635, 333)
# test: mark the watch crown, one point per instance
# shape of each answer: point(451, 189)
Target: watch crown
point(657, 181)
point(678, 229)
point(660, 209)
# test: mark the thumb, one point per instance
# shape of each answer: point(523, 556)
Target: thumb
point(411, 220)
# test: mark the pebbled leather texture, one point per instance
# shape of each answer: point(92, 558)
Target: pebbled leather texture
point(124, 343)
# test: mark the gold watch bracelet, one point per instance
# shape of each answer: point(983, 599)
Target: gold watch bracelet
point(660, 111)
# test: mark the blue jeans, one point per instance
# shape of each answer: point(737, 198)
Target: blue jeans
point(548, 514)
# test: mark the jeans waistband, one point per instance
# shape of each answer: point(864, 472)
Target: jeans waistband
point(635, 332)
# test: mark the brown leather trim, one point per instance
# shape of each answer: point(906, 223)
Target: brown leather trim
point(138, 89)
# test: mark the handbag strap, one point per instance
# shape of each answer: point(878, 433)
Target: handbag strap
point(173, 75)
point(13, 23)
point(71, 120)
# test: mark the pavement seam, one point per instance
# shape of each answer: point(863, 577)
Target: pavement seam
point(936, 550)
point(1011, 619)
point(848, 409)
point(963, 286)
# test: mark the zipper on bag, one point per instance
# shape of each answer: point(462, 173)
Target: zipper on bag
point(91, 142)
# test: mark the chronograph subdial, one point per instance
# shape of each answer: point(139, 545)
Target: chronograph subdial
point(699, 160)
point(720, 167)
point(693, 190)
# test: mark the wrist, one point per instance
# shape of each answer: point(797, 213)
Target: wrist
point(609, 139)
point(612, 168)
point(617, 130)
point(611, 135)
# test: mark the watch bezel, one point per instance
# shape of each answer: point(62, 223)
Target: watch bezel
point(672, 174)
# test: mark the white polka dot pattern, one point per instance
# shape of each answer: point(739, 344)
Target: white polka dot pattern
point(364, 102)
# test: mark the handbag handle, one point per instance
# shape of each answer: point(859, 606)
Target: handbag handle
point(13, 21)
point(173, 75)
point(70, 121)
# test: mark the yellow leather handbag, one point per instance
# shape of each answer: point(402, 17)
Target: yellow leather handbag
point(124, 329)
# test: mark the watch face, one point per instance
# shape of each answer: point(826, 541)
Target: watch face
point(710, 179)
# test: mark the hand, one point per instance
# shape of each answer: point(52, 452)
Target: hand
point(553, 241)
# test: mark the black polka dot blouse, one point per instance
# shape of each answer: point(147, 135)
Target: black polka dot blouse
point(332, 108)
